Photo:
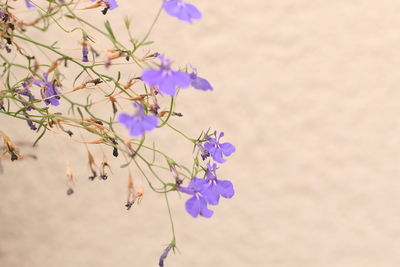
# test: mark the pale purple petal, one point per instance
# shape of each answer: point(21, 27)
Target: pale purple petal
point(187, 190)
point(149, 122)
point(136, 129)
point(29, 4)
point(167, 86)
point(181, 79)
point(217, 156)
point(54, 101)
point(211, 194)
point(209, 147)
point(227, 148)
point(183, 11)
point(201, 84)
point(113, 4)
point(225, 188)
point(152, 77)
point(171, 7)
point(125, 119)
point(205, 212)
point(193, 12)
point(193, 206)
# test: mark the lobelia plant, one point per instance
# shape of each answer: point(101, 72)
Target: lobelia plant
point(35, 84)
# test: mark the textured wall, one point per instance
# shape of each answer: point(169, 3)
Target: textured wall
point(307, 90)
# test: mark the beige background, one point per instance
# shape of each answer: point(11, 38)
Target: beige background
point(307, 90)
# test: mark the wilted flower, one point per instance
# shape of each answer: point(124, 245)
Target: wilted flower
point(166, 79)
point(181, 10)
point(108, 4)
point(139, 122)
point(204, 152)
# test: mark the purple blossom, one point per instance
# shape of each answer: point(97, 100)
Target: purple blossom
point(166, 79)
point(216, 187)
point(85, 53)
point(108, 4)
point(164, 255)
point(139, 122)
point(49, 91)
point(29, 4)
point(216, 149)
point(85, 50)
point(181, 10)
point(29, 122)
point(200, 83)
point(197, 204)
point(26, 92)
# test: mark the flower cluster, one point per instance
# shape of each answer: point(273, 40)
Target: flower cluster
point(34, 86)
point(208, 191)
point(167, 80)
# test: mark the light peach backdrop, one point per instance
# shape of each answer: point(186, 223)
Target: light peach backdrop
point(307, 90)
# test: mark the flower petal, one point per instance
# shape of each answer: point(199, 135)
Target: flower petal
point(149, 122)
point(227, 148)
point(183, 11)
point(152, 77)
point(217, 155)
point(181, 79)
point(125, 119)
point(29, 4)
point(136, 129)
point(225, 188)
point(167, 86)
point(113, 4)
point(204, 210)
point(201, 84)
point(193, 12)
point(211, 194)
point(193, 206)
point(171, 7)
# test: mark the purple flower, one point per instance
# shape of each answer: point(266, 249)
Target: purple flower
point(29, 4)
point(200, 83)
point(26, 92)
point(183, 11)
point(49, 91)
point(30, 123)
point(109, 4)
point(216, 149)
point(197, 204)
point(85, 50)
point(164, 255)
point(216, 187)
point(139, 122)
point(166, 79)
